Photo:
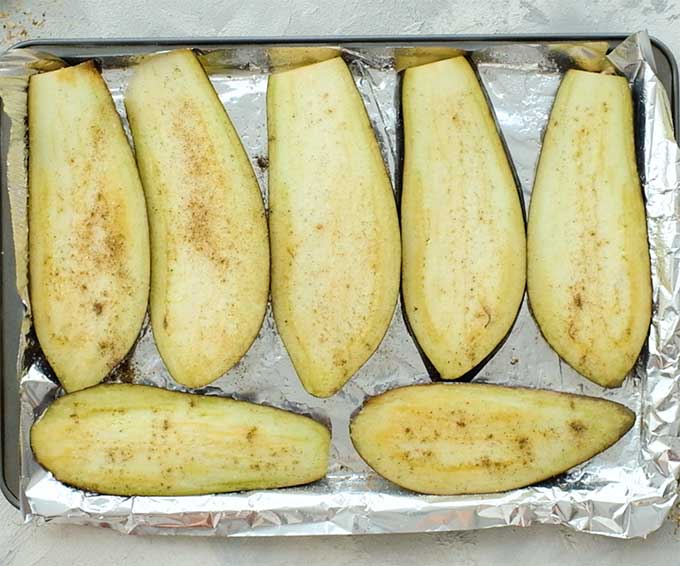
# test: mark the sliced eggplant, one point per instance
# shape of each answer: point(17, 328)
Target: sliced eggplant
point(88, 234)
point(468, 438)
point(464, 257)
point(413, 56)
point(209, 246)
point(333, 223)
point(122, 439)
point(589, 280)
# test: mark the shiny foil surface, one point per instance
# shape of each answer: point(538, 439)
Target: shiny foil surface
point(626, 491)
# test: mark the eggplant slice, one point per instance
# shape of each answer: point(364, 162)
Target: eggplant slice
point(209, 244)
point(468, 438)
point(333, 223)
point(123, 439)
point(88, 233)
point(589, 281)
point(464, 257)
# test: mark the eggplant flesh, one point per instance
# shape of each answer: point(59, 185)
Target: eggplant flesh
point(589, 281)
point(123, 439)
point(209, 243)
point(464, 245)
point(333, 225)
point(466, 438)
point(88, 234)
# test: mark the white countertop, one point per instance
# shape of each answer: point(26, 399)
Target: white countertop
point(74, 546)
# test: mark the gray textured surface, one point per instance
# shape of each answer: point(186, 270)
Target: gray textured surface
point(92, 18)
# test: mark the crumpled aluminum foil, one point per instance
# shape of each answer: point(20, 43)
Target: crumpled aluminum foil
point(626, 491)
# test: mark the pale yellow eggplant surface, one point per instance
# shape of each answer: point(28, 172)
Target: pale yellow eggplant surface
point(464, 438)
point(88, 234)
point(333, 225)
point(123, 439)
point(464, 256)
point(209, 245)
point(589, 281)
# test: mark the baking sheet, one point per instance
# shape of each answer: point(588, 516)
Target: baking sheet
point(624, 492)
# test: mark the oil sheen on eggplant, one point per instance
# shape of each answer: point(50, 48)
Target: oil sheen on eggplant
point(88, 234)
point(333, 225)
point(467, 438)
point(589, 281)
point(123, 439)
point(464, 256)
point(209, 244)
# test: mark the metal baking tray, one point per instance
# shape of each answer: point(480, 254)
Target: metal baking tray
point(77, 50)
